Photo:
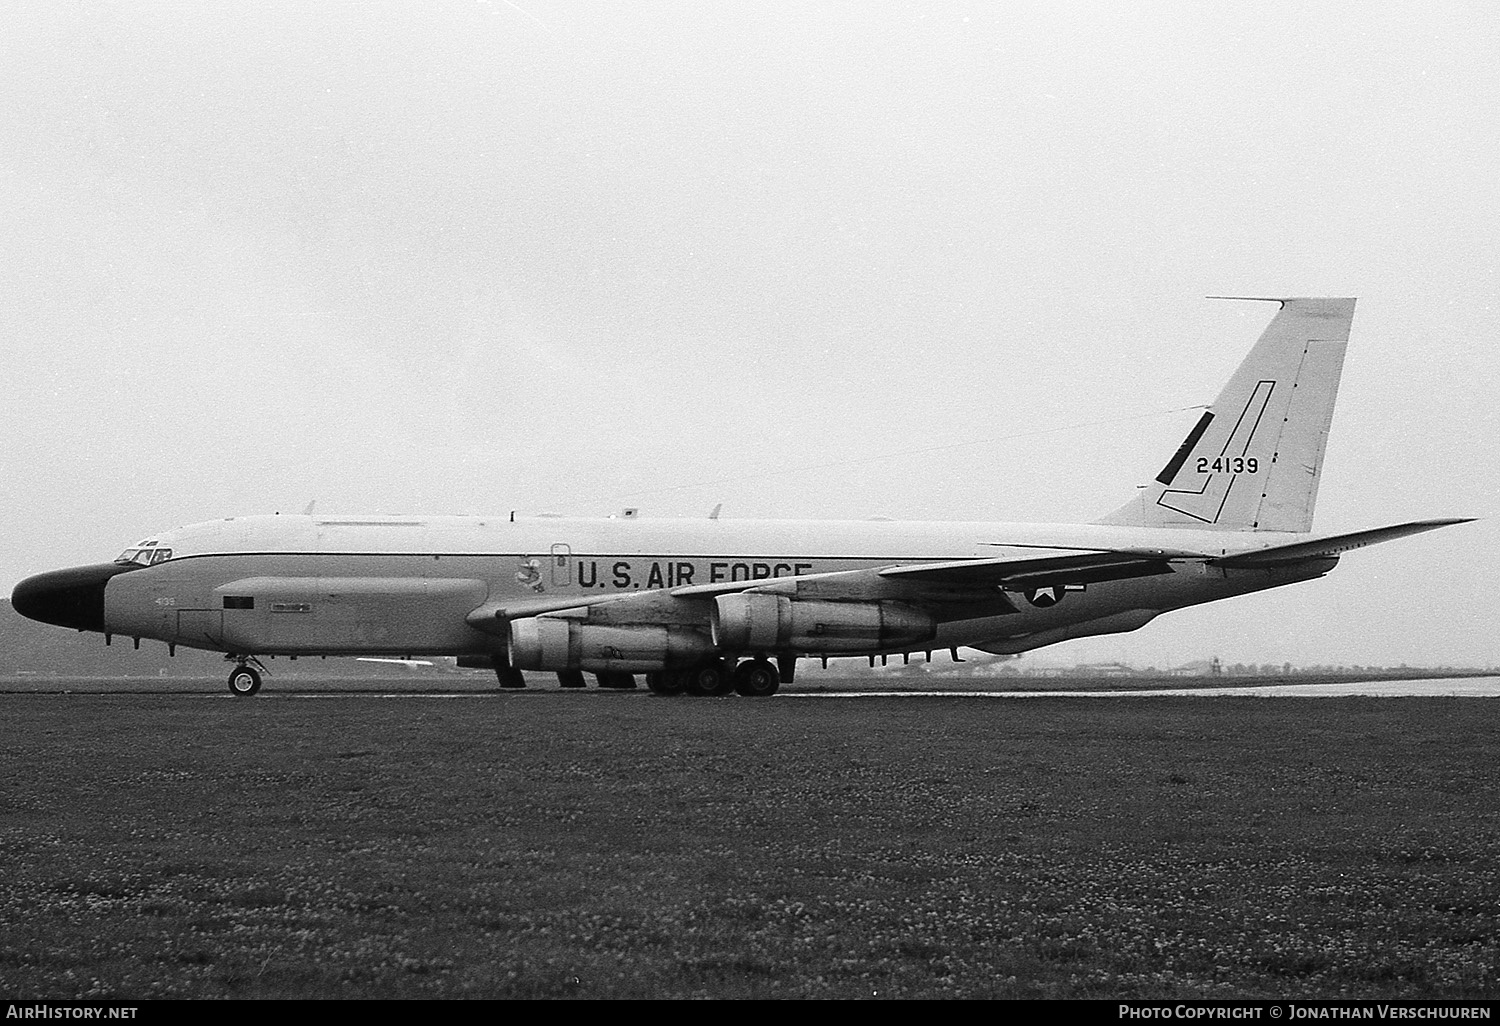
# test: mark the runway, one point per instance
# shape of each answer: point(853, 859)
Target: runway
point(1445, 687)
point(1448, 687)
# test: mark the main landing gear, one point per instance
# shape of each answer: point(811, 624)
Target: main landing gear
point(753, 678)
point(711, 678)
point(756, 678)
point(244, 679)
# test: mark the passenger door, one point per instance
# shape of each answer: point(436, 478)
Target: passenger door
point(562, 566)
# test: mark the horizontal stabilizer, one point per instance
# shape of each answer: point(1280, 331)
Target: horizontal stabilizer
point(1332, 546)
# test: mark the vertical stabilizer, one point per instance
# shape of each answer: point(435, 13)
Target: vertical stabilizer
point(1252, 461)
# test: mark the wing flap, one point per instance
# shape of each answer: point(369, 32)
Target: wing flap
point(1019, 573)
point(1088, 575)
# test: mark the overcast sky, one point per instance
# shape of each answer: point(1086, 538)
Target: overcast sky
point(940, 261)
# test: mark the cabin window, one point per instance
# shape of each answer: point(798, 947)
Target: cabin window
point(239, 602)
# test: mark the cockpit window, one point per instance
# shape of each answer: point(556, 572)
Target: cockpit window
point(144, 557)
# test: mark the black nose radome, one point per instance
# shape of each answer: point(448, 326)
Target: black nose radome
point(68, 598)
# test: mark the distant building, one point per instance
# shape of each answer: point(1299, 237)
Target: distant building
point(1197, 668)
point(1104, 670)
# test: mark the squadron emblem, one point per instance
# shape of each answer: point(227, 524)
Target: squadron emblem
point(530, 574)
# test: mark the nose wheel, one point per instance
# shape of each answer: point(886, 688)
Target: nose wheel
point(244, 679)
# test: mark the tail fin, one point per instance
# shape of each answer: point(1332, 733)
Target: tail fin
point(1251, 463)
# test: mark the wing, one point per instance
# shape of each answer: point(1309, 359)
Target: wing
point(952, 590)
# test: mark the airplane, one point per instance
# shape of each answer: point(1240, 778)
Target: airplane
point(717, 605)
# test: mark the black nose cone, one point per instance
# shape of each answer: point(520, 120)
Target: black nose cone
point(68, 598)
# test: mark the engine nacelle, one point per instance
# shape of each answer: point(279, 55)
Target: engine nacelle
point(554, 643)
point(753, 622)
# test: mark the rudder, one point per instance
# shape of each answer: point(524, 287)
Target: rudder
point(1252, 461)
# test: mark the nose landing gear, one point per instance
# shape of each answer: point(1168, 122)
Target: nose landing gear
point(244, 679)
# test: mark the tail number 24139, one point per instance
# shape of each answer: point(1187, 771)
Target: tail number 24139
point(1228, 465)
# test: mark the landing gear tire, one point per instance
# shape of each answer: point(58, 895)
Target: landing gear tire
point(708, 680)
point(756, 678)
point(243, 681)
point(667, 682)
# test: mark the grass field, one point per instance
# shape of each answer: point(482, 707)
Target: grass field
point(606, 844)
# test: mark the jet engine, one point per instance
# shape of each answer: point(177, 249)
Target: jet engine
point(757, 622)
point(554, 643)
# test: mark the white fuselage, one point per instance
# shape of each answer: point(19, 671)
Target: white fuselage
point(393, 585)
